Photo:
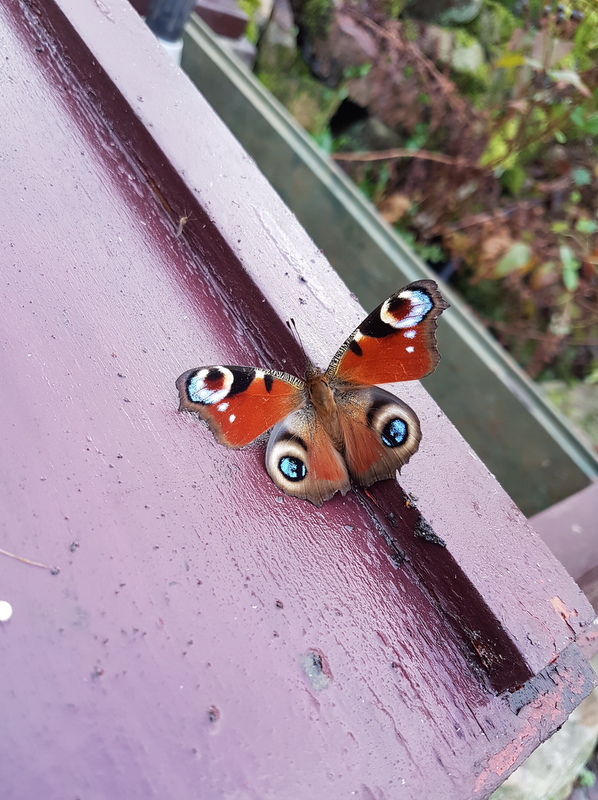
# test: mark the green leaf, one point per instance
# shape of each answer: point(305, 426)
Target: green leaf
point(570, 267)
point(587, 125)
point(418, 138)
point(359, 71)
point(511, 60)
point(586, 777)
point(516, 258)
point(581, 176)
point(513, 179)
point(496, 150)
point(560, 137)
point(591, 125)
point(559, 227)
point(577, 117)
point(324, 140)
point(586, 226)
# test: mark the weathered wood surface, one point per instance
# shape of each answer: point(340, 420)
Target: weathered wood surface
point(206, 637)
point(570, 529)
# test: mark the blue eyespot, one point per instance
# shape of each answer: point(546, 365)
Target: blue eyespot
point(394, 433)
point(422, 304)
point(292, 468)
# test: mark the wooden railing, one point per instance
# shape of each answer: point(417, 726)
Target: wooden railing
point(206, 636)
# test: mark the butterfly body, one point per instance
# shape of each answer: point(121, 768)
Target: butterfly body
point(335, 426)
point(322, 397)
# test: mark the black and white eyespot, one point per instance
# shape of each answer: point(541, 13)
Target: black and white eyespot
point(396, 313)
point(403, 311)
point(213, 385)
point(286, 457)
point(395, 423)
point(209, 385)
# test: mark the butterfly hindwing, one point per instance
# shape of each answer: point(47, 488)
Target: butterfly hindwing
point(381, 433)
point(302, 460)
point(396, 342)
point(239, 403)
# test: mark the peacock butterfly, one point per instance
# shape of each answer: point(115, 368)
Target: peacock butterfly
point(336, 426)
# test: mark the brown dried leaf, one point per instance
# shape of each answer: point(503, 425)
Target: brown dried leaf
point(393, 207)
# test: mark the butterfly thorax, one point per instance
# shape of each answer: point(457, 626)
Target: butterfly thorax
point(321, 396)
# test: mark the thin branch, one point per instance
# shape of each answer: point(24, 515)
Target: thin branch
point(518, 332)
point(53, 570)
point(427, 64)
point(401, 152)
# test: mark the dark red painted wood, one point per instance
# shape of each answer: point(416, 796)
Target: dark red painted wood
point(223, 16)
point(206, 637)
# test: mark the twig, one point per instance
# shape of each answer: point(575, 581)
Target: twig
point(523, 333)
point(400, 152)
point(53, 570)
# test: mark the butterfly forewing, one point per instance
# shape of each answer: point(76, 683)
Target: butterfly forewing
point(239, 403)
point(396, 342)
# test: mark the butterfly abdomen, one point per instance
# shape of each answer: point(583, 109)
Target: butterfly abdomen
point(322, 398)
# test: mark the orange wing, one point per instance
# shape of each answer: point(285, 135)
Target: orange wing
point(397, 342)
point(239, 403)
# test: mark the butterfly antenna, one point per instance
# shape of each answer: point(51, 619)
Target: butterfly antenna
point(293, 329)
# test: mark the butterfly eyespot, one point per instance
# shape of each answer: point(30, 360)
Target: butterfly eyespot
point(210, 385)
point(394, 433)
point(292, 468)
point(406, 309)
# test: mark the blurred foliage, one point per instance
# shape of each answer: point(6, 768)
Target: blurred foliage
point(478, 142)
point(250, 7)
point(513, 213)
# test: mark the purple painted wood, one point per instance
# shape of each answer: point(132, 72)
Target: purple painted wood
point(570, 529)
point(206, 637)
